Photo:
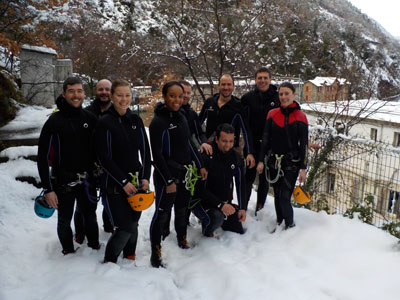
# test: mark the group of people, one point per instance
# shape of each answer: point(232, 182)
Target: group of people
point(101, 147)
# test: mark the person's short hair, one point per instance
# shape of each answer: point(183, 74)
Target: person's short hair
point(168, 85)
point(229, 75)
point(263, 70)
point(225, 127)
point(118, 82)
point(184, 82)
point(289, 85)
point(71, 81)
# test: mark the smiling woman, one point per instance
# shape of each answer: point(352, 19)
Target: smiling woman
point(121, 95)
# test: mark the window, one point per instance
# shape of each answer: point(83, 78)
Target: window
point(374, 134)
point(306, 88)
point(393, 201)
point(396, 139)
point(331, 183)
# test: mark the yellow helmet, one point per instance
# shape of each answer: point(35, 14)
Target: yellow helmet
point(301, 196)
point(141, 200)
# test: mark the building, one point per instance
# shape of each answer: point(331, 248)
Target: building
point(366, 160)
point(42, 74)
point(324, 89)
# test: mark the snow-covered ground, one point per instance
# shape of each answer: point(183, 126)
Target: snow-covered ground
point(323, 257)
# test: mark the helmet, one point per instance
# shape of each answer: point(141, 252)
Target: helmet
point(42, 209)
point(141, 200)
point(301, 196)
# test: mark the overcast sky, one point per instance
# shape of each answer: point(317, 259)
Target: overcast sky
point(386, 12)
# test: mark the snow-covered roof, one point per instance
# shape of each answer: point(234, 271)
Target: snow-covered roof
point(372, 109)
point(39, 49)
point(142, 87)
point(320, 81)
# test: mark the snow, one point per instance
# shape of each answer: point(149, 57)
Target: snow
point(323, 257)
point(42, 49)
point(28, 122)
point(320, 81)
point(372, 109)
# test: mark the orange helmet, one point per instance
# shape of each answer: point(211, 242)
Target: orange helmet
point(301, 196)
point(141, 200)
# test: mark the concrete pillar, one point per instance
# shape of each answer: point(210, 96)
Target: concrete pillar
point(62, 72)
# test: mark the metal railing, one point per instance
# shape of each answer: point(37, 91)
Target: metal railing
point(351, 175)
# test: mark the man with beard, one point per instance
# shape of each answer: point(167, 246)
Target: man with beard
point(226, 108)
point(68, 132)
point(98, 107)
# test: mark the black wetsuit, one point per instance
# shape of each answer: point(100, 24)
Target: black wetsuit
point(257, 105)
point(172, 148)
point(218, 189)
point(79, 220)
point(232, 113)
point(285, 132)
point(119, 140)
point(68, 135)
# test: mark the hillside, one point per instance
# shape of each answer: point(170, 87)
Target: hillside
point(142, 40)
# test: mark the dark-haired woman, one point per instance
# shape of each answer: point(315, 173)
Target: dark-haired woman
point(284, 143)
point(172, 150)
point(119, 138)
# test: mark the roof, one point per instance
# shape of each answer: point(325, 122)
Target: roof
point(320, 81)
point(39, 49)
point(373, 109)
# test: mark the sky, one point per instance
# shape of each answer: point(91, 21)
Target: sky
point(386, 12)
point(324, 257)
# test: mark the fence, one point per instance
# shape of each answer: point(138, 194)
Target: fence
point(348, 175)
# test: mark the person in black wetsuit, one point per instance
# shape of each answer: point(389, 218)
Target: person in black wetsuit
point(212, 201)
point(258, 103)
point(120, 137)
point(68, 135)
point(196, 133)
point(98, 107)
point(226, 108)
point(285, 139)
point(172, 149)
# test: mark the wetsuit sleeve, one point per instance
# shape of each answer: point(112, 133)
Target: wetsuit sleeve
point(240, 120)
point(240, 183)
point(103, 142)
point(265, 145)
point(46, 142)
point(303, 138)
point(159, 140)
point(144, 152)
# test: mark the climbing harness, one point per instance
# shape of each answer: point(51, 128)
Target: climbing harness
point(278, 167)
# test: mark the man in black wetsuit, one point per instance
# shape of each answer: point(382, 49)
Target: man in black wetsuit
point(212, 202)
point(68, 132)
point(258, 103)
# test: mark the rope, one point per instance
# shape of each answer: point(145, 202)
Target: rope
point(279, 173)
point(191, 178)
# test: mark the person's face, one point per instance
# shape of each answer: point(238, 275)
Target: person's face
point(187, 91)
point(286, 96)
point(74, 95)
point(103, 90)
point(263, 81)
point(226, 86)
point(122, 99)
point(174, 98)
point(225, 141)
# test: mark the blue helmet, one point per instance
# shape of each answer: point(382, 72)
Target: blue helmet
point(42, 209)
